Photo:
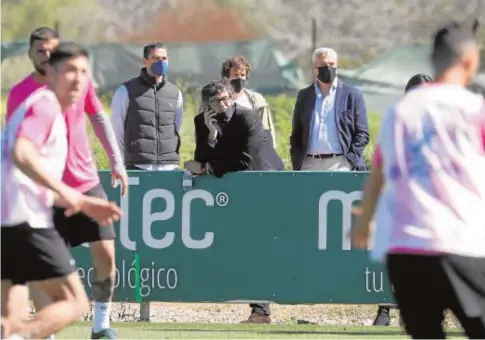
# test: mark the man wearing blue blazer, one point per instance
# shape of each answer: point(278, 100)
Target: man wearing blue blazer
point(330, 128)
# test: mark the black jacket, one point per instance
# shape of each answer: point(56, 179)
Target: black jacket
point(242, 144)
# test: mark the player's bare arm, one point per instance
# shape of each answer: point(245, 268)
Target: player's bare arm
point(372, 190)
point(104, 131)
point(102, 211)
point(26, 158)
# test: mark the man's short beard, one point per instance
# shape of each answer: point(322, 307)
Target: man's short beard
point(40, 70)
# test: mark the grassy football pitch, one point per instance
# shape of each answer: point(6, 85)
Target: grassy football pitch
point(139, 330)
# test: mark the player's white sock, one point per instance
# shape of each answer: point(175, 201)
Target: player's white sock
point(102, 311)
point(51, 337)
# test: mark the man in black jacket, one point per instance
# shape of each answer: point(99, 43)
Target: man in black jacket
point(229, 137)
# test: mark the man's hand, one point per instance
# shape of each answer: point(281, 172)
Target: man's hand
point(360, 234)
point(70, 199)
point(194, 167)
point(356, 210)
point(120, 175)
point(246, 160)
point(100, 210)
point(211, 123)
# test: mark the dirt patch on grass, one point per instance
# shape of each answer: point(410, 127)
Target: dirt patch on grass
point(357, 315)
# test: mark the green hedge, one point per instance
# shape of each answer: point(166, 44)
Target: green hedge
point(281, 107)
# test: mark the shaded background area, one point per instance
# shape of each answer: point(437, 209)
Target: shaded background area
point(192, 64)
point(381, 43)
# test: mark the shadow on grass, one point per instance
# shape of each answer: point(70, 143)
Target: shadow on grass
point(296, 332)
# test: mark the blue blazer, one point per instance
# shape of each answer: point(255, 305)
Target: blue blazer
point(351, 119)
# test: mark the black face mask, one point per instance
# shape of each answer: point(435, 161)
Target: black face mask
point(238, 84)
point(326, 74)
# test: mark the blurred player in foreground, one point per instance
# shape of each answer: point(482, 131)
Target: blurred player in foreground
point(81, 174)
point(34, 155)
point(383, 317)
point(428, 186)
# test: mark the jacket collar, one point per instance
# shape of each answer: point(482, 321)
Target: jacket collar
point(149, 80)
point(229, 113)
point(334, 86)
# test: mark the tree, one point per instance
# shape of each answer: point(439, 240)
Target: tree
point(84, 20)
point(348, 26)
point(20, 17)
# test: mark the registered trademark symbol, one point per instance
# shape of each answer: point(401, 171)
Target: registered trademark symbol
point(222, 199)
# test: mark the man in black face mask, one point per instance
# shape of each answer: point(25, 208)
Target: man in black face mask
point(237, 70)
point(330, 129)
point(228, 136)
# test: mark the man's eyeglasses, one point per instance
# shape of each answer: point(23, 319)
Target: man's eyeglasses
point(218, 101)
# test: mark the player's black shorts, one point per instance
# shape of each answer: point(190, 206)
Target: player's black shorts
point(32, 254)
point(424, 286)
point(79, 228)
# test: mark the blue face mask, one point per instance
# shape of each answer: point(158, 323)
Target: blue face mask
point(159, 68)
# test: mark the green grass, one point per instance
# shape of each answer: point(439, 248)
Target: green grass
point(127, 330)
point(281, 108)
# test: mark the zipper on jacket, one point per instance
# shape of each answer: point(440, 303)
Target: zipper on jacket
point(157, 120)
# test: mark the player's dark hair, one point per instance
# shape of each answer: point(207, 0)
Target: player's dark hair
point(450, 41)
point(43, 34)
point(66, 50)
point(416, 80)
point(148, 49)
